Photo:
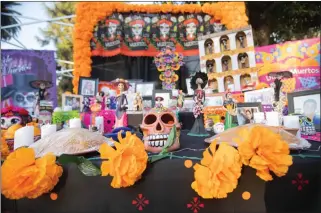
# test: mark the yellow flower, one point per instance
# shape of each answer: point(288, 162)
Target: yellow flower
point(24, 176)
point(265, 151)
point(4, 148)
point(218, 173)
point(125, 164)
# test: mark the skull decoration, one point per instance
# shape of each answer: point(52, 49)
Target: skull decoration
point(156, 127)
point(14, 115)
point(306, 125)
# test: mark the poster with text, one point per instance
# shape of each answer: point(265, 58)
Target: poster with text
point(19, 68)
point(302, 58)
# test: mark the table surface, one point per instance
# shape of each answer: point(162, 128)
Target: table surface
point(166, 187)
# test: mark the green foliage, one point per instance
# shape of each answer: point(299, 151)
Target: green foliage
point(61, 36)
point(275, 22)
point(6, 7)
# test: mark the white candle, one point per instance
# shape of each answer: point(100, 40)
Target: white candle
point(23, 137)
point(291, 122)
point(258, 117)
point(99, 122)
point(75, 123)
point(67, 108)
point(48, 130)
point(272, 119)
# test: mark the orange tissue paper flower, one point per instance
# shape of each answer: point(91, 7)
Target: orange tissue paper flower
point(125, 164)
point(265, 151)
point(23, 176)
point(218, 173)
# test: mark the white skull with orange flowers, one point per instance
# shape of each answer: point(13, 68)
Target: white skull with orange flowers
point(156, 126)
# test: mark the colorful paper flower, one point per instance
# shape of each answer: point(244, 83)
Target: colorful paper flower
point(4, 149)
point(257, 151)
point(168, 73)
point(218, 173)
point(23, 176)
point(126, 163)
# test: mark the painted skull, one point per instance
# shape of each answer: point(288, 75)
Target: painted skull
point(218, 128)
point(25, 100)
point(306, 126)
point(156, 127)
point(14, 115)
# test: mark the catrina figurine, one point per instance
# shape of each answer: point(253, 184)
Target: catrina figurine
point(121, 106)
point(198, 82)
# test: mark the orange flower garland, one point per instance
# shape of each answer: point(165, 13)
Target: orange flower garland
point(218, 173)
point(24, 176)
point(265, 151)
point(232, 14)
point(4, 149)
point(127, 163)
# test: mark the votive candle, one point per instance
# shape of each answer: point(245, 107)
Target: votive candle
point(23, 137)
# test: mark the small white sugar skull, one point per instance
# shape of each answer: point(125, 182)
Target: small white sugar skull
point(218, 128)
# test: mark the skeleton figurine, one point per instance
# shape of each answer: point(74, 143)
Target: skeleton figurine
point(225, 65)
point(224, 43)
point(242, 60)
point(241, 40)
point(198, 82)
point(86, 103)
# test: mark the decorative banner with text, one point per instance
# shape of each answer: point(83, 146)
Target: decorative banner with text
point(146, 34)
point(19, 67)
point(302, 58)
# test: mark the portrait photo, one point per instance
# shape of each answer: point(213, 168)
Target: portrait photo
point(145, 89)
point(245, 112)
point(165, 94)
point(265, 96)
point(88, 86)
point(73, 101)
point(306, 103)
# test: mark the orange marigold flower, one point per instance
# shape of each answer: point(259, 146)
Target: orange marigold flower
point(24, 176)
point(127, 163)
point(265, 151)
point(218, 173)
point(4, 149)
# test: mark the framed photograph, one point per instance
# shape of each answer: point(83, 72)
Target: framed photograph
point(133, 82)
point(145, 89)
point(245, 112)
point(265, 96)
point(190, 91)
point(188, 105)
point(165, 94)
point(88, 86)
point(107, 87)
point(212, 115)
point(74, 101)
point(306, 103)
point(214, 99)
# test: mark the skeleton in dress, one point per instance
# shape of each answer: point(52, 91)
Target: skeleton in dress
point(121, 103)
point(198, 82)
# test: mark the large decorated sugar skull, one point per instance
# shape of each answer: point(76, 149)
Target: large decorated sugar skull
point(306, 126)
point(14, 115)
point(156, 127)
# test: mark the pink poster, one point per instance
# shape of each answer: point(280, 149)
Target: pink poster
point(302, 58)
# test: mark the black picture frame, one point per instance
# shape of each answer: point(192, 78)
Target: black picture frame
point(81, 83)
point(158, 91)
point(291, 103)
point(147, 86)
point(246, 105)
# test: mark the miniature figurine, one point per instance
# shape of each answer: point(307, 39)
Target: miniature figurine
point(209, 46)
point(138, 102)
point(230, 106)
point(101, 99)
point(121, 106)
point(94, 105)
point(241, 40)
point(248, 84)
point(242, 59)
point(42, 94)
point(158, 104)
point(278, 82)
point(229, 84)
point(225, 65)
point(210, 66)
point(107, 100)
point(224, 43)
point(198, 82)
point(180, 99)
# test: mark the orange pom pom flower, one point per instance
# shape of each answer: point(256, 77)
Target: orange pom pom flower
point(24, 176)
point(218, 173)
point(127, 163)
point(265, 151)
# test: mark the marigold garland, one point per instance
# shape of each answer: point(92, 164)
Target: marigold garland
point(265, 151)
point(24, 176)
point(127, 163)
point(231, 14)
point(218, 173)
point(4, 149)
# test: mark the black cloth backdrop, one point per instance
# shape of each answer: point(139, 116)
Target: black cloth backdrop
point(120, 66)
